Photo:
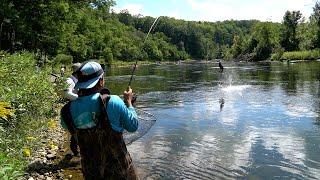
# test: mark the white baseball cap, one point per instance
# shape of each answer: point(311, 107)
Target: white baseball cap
point(88, 75)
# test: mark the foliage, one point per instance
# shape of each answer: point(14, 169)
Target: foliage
point(316, 19)
point(263, 37)
point(26, 91)
point(307, 35)
point(63, 59)
point(259, 44)
point(237, 47)
point(301, 55)
point(277, 55)
point(21, 78)
point(6, 111)
point(289, 40)
point(10, 169)
point(89, 30)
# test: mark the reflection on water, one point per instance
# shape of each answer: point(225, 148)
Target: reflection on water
point(258, 121)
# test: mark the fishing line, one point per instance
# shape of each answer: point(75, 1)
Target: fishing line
point(136, 63)
point(146, 120)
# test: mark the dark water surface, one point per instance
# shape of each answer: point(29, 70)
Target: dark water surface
point(258, 121)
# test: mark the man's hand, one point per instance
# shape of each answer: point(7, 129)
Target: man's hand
point(128, 96)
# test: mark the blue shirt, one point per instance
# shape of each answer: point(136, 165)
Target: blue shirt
point(87, 108)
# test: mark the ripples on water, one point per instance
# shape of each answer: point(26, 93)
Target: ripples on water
point(257, 121)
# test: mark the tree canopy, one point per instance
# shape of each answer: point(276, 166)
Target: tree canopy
point(89, 29)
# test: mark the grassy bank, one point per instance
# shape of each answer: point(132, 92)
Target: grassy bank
point(301, 55)
point(126, 63)
point(27, 101)
point(147, 62)
point(297, 55)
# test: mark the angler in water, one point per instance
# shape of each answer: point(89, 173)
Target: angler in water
point(97, 120)
point(220, 66)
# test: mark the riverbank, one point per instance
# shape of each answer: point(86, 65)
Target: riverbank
point(301, 55)
point(29, 132)
point(42, 164)
point(296, 56)
point(55, 159)
point(128, 64)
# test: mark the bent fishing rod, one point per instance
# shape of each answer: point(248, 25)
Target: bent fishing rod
point(148, 118)
point(154, 24)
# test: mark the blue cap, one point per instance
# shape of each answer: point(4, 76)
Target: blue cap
point(88, 75)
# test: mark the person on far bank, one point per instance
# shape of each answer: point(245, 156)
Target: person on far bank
point(98, 119)
point(220, 66)
point(71, 94)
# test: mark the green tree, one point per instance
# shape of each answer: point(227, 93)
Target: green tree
point(237, 47)
point(262, 39)
point(289, 40)
point(126, 18)
point(307, 34)
point(315, 19)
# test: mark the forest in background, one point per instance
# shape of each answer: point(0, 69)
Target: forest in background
point(66, 30)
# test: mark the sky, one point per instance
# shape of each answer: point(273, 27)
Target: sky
point(216, 10)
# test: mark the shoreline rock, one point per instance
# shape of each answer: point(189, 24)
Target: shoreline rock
point(44, 162)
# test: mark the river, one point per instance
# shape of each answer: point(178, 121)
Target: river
point(254, 120)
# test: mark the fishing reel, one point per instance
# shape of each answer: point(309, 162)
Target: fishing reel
point(134, 98)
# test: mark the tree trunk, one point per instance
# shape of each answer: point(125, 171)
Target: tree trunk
point(0, 34)
point(13, 35)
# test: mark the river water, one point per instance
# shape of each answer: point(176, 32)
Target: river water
point(254, 120)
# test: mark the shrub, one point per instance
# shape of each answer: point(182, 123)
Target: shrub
point(277, 55)
point(63, 59)
point(27, 97)
point(301, 55)
point(108, 56)
point(24, 85)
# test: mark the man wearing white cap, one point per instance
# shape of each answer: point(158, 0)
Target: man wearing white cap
point(71, 94)
point(97, 120)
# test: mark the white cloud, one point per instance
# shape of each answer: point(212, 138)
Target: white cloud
point(132, 8)
point(217, 10)
point(175, 14)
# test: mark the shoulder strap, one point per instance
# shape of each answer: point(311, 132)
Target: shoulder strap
point(104, 120)
point(67, 118)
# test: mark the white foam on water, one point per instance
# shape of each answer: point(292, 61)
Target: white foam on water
point(298, 110)
point(237, 88)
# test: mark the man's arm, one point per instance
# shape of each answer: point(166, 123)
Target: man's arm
point(129, 119)
point(129, 115)
point(68, 93)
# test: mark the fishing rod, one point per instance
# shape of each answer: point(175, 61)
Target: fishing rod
point(146, 120)
point(154, 24)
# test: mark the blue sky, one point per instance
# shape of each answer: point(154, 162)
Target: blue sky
point(216, 10)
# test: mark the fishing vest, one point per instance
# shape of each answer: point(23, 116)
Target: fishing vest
point(103, 151)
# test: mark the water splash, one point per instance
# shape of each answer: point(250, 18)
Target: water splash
point(236, 88)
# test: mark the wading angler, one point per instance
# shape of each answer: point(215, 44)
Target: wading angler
point(97, 119)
